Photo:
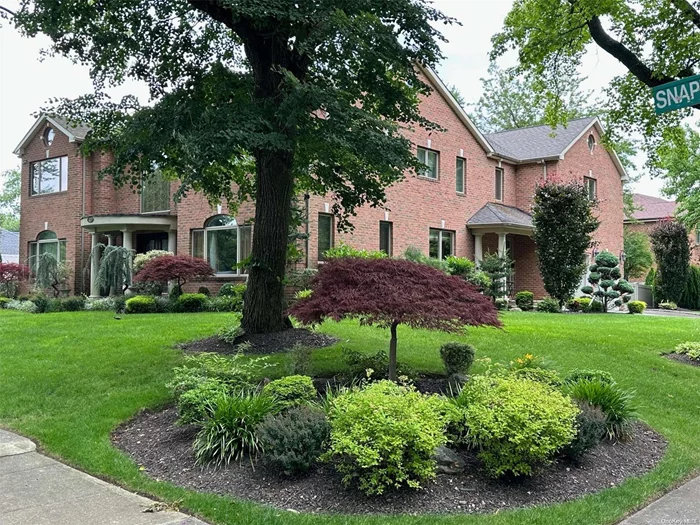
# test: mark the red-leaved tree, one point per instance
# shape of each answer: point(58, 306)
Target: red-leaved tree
point(178, 268)
point(390, 292)
point(11, 274)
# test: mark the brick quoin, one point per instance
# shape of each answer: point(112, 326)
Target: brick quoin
point(414, 205)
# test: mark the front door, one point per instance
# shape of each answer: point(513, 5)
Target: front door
point(145, 242)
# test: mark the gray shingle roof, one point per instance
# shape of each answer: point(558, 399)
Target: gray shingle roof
point(539, 141)
point(80, 132)
point(9, 242)
point(494, 214)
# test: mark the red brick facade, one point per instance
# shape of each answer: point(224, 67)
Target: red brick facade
point(414, 205)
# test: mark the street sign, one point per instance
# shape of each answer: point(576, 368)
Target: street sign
point(677, 95)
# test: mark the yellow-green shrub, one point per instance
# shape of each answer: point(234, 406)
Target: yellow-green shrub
point(291, 390)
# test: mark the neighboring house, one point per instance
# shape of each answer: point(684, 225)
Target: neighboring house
point(652, 210)
point(9, 246)
point(472, 198)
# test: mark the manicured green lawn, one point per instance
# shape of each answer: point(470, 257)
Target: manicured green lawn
point(68, 379)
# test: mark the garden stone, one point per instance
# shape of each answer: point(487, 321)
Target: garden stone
point(448, 461)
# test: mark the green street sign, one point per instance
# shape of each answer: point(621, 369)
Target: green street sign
point(676, 95)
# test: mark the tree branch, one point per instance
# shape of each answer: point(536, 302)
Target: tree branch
point(687, 9)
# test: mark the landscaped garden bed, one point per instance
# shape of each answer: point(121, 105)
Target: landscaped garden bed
point(262, 343)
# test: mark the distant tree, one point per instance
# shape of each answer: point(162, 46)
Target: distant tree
point(669, 240)
point(457, 94)
point(389, 292)
point(638, 256)
point(9, 199)
point(11, 274)
point(177, 268)
point(563, 224)
point(606, 283)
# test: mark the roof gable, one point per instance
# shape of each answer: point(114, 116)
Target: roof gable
point(500, 214)
point(74, 133)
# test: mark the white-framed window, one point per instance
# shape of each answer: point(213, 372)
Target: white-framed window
point(155, 194)
point(591, 186)
point(441, 243)
point(48, 176)
point(326, 237)
point(47, 242)
point(386, 237)
point(431, 160)
point(460, 175)
point(499, 184)
point(591, 143)
point(224, 244)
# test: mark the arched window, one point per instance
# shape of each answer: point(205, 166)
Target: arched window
point(223, 243)
point(591, 143)
point(47, 242)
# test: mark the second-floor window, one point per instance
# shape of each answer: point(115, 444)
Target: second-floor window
point(441, 243)
point(155, 194)
point(325, 234)
point(431, 159)
point(386, 237)
point(460, 173)
point(499, 184)
point(591, 186)
point(49, 176)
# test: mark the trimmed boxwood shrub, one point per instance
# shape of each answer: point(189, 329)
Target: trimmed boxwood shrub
point(549, 305)
point(141, 304)
point(517, 424)
point(384, 435)
point(73, 304)
point(192, 302)
point(525, 300)
point(457, 357)
point(293, 440)
point(595, 307)
point(636, 307)
point(291, 390)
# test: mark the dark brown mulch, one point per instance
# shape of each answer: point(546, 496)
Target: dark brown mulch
point(263, 343)
point(682, 358)
point(165, 451)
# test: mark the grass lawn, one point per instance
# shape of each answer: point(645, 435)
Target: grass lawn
point(67, 379)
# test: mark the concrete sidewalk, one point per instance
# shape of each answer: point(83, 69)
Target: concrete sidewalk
point(37, 490)
point(678, 507)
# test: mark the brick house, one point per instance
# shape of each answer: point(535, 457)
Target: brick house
point(474, 197)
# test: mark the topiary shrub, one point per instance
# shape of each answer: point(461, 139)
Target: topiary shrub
point(193, 405)
point(293, 441)
point(457, 357)
point(517, 424)
point(141, 304)
point(590, 429)
point(192, 302)
point(525, 301)
point(230, 431)
point(384, 435)
point(615, 403)
point(540, 375)
point(636, 307)
point(291, 390)
point(606, 284)
point(549, 306)
point(578, 374)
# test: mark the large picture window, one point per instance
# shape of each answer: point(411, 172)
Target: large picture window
point(49, 176)
point(224, 244)
point(47, 242)
point(325, 234)
point(442, 243)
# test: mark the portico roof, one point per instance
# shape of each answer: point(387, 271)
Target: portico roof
point(129, 222)
point(498, 217)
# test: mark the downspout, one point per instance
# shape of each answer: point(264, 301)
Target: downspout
point(82, 234)
point(306, 242)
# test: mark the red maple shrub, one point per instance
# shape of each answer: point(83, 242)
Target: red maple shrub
point(179, 268)
point(11, 274)
point(390, 292)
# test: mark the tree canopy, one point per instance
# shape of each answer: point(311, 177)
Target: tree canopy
point(9, 199)
point(178, 268)
point(669, 240)
point(276, 96)
point(638, 257)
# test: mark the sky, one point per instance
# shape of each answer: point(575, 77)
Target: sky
point(28, 80)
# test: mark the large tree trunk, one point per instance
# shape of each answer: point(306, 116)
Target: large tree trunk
point(263, 310)
point(392, 352)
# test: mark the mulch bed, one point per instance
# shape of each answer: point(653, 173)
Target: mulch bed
point(165, 451)
point(263, 343)
point(682, 358)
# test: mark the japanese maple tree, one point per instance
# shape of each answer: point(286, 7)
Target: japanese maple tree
point(178, 268)
point(11, 274)
point(389, 292)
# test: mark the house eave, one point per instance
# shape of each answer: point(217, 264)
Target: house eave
point(20, 149)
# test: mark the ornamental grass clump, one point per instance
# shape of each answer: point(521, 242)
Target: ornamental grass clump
point(383, 436)
point(616, 403)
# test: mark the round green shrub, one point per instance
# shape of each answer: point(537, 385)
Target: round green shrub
point(595, 307)
point(457, 357)
point(616, 404)
point(525, 300)
point(540, 375)
point(293, 441)
point(384, 435)
point(590, 429)
point(636, 307)
point(192, 302)
point(501, 303)
point(141, 304)
point(517, 424)
point(192, 405)
point(578, 374)
point(232, 290)
point(73, 304)
point(291, 390)
point(549, 305)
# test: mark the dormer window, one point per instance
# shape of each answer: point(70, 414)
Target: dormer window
point(49, 135)
point(591, 143)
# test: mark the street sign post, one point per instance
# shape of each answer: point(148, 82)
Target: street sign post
point(677, 95)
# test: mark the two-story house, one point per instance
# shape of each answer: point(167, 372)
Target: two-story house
point(474, 196)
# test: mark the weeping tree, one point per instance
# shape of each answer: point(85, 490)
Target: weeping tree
point(272, 96)
point(115, 270)
point(389, 292)
point(50, 273)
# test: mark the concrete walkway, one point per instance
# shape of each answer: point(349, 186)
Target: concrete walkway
point(37, 490)
point(678, 507)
